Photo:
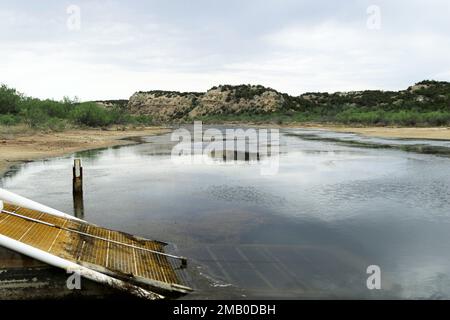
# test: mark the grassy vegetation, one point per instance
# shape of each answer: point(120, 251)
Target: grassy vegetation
point(425, 104)
point(349, 117)
point(401, 117)
point(16, 108)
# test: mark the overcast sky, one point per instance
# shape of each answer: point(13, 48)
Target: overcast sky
point(118, 47)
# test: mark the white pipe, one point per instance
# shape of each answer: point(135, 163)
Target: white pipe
point(17, 200)
point(73, 267)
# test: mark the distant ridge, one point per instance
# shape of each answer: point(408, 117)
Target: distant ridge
point(228, 102)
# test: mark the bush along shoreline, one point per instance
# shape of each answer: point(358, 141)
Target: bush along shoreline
point(424, 104)
point(16, 109)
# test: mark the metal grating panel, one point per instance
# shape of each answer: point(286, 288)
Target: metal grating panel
point(115, 259)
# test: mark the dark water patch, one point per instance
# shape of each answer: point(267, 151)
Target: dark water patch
point(417, 148)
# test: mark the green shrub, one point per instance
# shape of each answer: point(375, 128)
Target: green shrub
point(143, 120)
point(34, 115)
point(90, 114)
point(9, 100)
point(437, 118)
point(8, 119)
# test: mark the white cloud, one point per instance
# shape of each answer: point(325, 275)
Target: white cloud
point(338, 57)
point(292, 46)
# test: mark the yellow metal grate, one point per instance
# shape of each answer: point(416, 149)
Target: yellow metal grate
point(115, 259)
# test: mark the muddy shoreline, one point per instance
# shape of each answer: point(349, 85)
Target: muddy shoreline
point(425, 133)
point(429, 133)
point(16, 148)
point(25, 147)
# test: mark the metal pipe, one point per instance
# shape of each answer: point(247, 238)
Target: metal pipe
point(27, 203)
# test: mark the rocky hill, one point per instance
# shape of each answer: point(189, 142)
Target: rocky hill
point(229, 101)
point(221, 100)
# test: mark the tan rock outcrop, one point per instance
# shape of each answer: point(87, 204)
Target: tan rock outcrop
point(166, 105)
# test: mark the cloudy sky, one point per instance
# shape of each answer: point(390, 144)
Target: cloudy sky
point(110, 49)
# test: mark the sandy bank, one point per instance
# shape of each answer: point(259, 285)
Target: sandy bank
point(21, 147)
point(430, 133)
point(440, 133)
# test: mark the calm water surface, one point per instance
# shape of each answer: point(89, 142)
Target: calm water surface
point(309, 231)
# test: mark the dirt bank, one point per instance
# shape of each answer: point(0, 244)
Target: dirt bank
point(16, 147)
point(20, 146)
point(430, 133)
point(441, 133)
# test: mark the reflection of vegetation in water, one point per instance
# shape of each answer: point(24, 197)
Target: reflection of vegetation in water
point(10, 173)
point(234, 155)
point(418, 148)
point(90, 154)
point(93, 154)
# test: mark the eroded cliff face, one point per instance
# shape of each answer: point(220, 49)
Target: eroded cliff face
point(231, 100)
point(162, 105)
point(166, 105)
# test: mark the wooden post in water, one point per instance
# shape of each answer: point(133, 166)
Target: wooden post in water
point(77, 177)
point(77, 189)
